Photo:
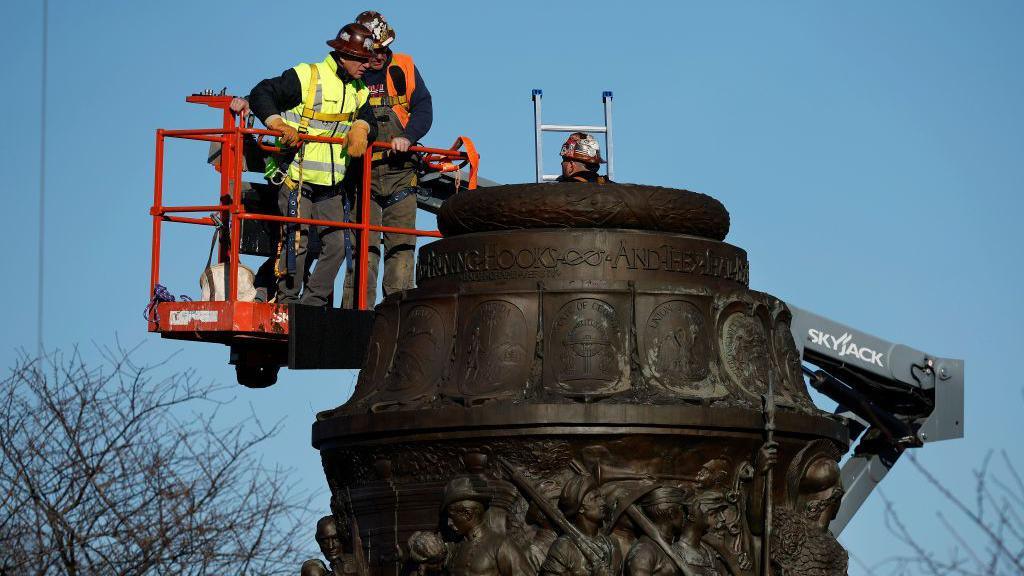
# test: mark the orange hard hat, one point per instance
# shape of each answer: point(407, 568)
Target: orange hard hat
point(354, 41)
point(582, 147)
point(383, 33)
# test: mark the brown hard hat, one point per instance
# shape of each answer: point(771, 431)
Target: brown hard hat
point(354, 41)
point(383, 33)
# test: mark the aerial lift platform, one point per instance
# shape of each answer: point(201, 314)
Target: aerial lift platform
point(265, 336)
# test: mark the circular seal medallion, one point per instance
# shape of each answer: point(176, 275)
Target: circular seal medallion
point(585, 343)
point(745, 351)
point(677, 349)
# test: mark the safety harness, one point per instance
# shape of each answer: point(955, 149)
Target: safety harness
point(292, 235)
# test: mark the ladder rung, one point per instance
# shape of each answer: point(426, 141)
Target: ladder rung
point(572, 128)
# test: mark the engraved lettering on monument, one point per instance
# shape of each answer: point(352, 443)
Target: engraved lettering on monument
point(585, 345)
point(498, 262)
point(492, 357)
point(745, 351)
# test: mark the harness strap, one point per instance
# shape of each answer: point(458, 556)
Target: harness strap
point(399, 100)
point(307, 106)
point(324, 117)
point(392, 199)
point(293, 232)
point(347, 210)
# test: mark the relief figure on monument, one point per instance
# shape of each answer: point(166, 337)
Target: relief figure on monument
point(726, 504)
point(331, 542)
point(651, 554)
point(540, 533)
point(801, 543)
point(583, 549)
point(481, 550)
point(699, 557)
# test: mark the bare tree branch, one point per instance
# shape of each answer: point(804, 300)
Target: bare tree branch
point(989, 533)
point(110, 469)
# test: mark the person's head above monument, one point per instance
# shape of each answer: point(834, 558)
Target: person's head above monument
point(465, 502)
point(581, 158)
point(383, 36)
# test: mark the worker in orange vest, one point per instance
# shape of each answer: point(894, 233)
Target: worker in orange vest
point(402, 106)
point(581, 159)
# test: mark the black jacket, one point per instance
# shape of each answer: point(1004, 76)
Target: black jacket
point(276, 95)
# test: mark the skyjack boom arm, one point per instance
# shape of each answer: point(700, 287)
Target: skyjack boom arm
point(894, 397)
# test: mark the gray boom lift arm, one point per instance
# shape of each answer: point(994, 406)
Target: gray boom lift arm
point(893, 396)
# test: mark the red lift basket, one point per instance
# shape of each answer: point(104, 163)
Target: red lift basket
point(261, 335)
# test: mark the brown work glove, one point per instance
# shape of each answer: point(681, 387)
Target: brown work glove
point(357, 138)
point(289, 135)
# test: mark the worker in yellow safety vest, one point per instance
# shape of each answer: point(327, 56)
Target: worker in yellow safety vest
point(403, 108)
point(326, 98)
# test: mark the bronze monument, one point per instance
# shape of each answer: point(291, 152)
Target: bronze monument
point(582, 382)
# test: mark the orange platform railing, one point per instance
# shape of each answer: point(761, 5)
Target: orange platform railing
point(232, 211)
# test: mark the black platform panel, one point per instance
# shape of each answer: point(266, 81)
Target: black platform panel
point(327, 337)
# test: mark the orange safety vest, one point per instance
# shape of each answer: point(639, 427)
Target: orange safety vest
point(399, 102)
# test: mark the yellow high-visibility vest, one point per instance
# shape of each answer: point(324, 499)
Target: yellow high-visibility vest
point(329, 108)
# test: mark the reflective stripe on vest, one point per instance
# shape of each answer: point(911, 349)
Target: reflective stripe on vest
point(328, 110)
point(400, 102)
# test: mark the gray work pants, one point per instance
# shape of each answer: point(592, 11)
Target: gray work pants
point(318, 203)
point(399, 249)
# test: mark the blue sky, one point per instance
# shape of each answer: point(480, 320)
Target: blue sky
point(869, 153)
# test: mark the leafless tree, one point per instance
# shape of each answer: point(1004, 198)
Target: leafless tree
point(111, 469)
point(987, 526)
